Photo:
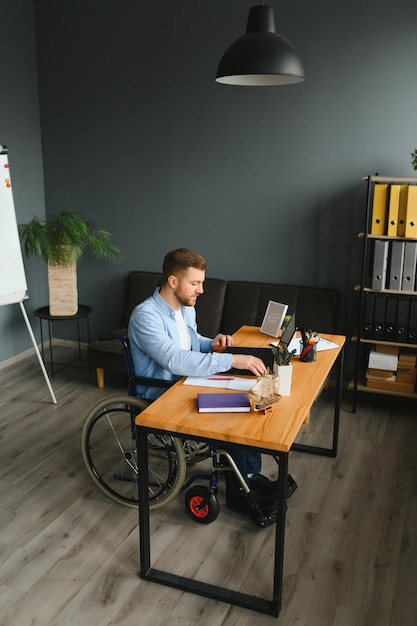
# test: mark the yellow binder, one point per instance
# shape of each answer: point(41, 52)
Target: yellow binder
point(394, 203)
point(402, 210)
point(411, 214)
point(379, 210)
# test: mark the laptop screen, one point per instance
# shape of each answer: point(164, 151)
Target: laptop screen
point(289, 330)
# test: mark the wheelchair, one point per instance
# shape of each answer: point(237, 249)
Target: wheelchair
point(108, 444)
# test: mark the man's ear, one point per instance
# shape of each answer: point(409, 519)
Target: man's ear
point(172, 281)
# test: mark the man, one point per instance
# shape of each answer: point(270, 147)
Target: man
point(165, 344)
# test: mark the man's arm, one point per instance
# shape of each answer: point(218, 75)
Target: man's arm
point(157, 338)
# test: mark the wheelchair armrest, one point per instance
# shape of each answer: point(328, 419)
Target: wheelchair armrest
point(150, 382)
point(133, 379)
point(126, 348)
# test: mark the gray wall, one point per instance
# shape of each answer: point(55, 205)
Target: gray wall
point(20, 132)
point(264, 182)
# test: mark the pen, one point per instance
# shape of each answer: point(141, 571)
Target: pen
point(220, 378)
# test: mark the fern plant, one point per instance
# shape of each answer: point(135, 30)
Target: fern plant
point(63, 238)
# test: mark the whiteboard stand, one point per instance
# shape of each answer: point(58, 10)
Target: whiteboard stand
point(13, 285)
point(45, 373)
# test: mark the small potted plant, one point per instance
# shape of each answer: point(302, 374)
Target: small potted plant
point(283, 367)
point(61, 240)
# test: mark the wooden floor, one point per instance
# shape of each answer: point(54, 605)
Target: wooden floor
point(69, 555)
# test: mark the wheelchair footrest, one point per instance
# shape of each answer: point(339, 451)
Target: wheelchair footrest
point(261, 518)
point(263, 521)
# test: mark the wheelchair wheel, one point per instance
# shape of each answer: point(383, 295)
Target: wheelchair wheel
point(201, 504)
point(108, 445)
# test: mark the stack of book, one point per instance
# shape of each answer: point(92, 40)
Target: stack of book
point(407, 372)
point(391, 369)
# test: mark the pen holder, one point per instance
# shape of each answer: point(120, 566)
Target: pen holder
point(308, 352)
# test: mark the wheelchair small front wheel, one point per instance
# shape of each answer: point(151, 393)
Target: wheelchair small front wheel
point(201, 504)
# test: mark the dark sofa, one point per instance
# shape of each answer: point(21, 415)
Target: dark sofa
point(224, 307)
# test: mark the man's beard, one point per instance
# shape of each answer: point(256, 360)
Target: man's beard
point(185, 300)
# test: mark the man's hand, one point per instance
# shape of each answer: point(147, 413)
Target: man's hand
point(220, 342)
point(239, 361)
point(249, 362)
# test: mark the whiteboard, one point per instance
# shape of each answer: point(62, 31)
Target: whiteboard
point(12, 272)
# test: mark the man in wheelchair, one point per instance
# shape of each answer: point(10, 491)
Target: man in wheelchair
point(165, 344)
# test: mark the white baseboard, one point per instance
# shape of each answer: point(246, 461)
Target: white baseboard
point(31, 351)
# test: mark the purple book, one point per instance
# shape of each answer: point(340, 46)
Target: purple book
point(223, 403)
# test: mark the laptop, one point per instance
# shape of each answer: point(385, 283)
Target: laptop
point(265, 354)
point(287, 332)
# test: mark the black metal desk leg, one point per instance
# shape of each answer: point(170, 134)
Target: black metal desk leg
point(144, 524)
point(280, 533)
point(331, 452)
point(338, 402)
point(208, 590)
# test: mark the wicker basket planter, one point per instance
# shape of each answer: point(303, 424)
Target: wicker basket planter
point(63, 292)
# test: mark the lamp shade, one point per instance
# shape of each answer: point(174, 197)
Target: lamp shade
point(260, 57)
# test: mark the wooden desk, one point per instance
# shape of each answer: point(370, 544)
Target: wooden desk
point(175, 412)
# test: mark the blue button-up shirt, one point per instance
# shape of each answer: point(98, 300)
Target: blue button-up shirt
point(155, 345)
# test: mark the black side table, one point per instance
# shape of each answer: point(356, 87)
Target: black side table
point(43, 313)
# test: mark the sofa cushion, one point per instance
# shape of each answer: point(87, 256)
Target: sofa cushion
point(246, 302)
point(209, 307)
point(139, 286)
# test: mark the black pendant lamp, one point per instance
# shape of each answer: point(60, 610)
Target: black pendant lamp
point(260, 58)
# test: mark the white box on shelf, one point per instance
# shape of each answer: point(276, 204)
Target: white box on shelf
point(383, 361)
